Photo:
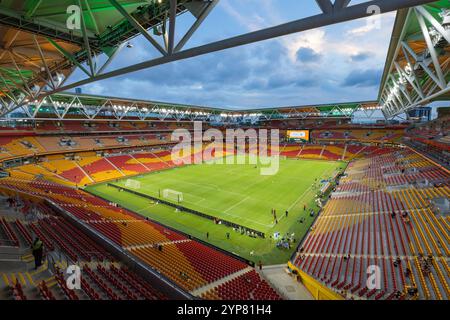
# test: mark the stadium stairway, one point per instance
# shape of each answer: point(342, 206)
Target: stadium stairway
point(211, 286)
point(248, 285)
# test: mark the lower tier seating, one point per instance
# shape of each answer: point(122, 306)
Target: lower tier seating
point(103, 278)
point(248, 286)
point(372, 223)
point(185, 262)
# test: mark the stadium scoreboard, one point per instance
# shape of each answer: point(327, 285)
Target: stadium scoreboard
point(298, 135)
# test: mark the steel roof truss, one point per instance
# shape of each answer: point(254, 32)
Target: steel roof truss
point(434, 56)
point(206, 11)
point(44, 62)
point(87, 46)
point(138, 26)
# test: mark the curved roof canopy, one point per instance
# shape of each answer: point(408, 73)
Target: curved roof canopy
point(42, 42)
point(69, 106)
point(416, 70)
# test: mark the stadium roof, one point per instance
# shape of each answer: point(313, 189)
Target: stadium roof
point(43, 42)
point(416, 70)
point(42, 45)
point(67, 106)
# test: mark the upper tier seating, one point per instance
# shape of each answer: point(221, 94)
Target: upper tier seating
point(16, 145)
point(375, 135)
point(432, 138)
point(50, 126)
point(322, 152)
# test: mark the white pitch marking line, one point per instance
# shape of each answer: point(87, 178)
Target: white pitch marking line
point(325, 172)
point(252, 221)
point(146, 208)
point(236, 204)
point(231, 215)
point(299, 198)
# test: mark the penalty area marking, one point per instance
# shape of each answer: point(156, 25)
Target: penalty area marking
point(236, 204)
point(292, 205)
point(219, 213)
point(325, 172)
point(147, 207)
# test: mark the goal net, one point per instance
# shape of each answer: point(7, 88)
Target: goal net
point(133, 184)
point(172, 195)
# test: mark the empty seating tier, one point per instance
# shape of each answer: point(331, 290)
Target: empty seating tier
point(381, 217)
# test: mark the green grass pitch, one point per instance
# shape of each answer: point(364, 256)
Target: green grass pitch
point(237, 193)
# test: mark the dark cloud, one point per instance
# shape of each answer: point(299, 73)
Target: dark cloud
point(360, 56)
point(260, 74)
point(280, 81)
point(283, 81)
point(308, 82)
point(256, 75)
point(235, 67)
point(255, 84)
point(363, 78)
point(308, 55)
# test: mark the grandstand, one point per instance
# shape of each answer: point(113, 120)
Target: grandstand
point(348, 211)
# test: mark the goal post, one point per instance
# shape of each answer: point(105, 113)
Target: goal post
point(133, 184)
point(172, 195)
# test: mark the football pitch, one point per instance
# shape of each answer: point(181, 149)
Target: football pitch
point(237, 193)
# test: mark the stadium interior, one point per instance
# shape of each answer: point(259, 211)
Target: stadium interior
point(93, 177)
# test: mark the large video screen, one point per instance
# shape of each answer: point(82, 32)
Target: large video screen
point(298, 135)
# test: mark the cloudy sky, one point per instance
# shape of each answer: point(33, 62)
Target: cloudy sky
point(340, 63)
